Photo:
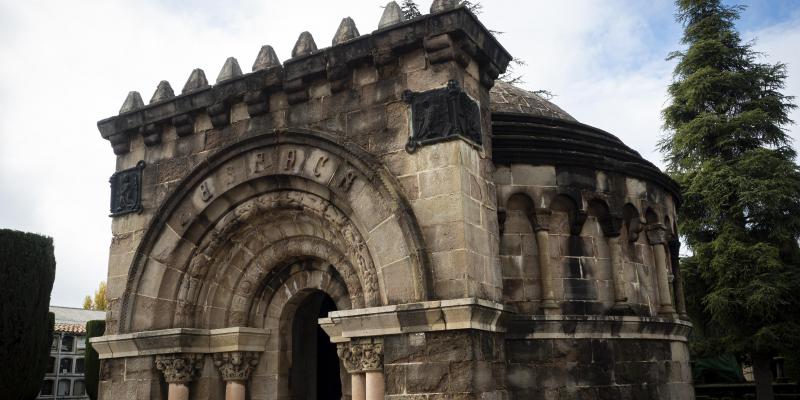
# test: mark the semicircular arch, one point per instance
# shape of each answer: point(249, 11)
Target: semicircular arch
point(308, 171)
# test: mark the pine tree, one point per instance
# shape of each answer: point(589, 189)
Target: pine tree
point(728, 149)
point(410, 9)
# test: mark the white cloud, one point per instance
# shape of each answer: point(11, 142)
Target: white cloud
point(66, 65)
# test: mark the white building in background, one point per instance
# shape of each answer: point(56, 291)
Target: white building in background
point(64, 378)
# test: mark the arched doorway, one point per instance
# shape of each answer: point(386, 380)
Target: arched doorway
point(315, 372)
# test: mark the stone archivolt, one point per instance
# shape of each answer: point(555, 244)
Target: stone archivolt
point(352, 203)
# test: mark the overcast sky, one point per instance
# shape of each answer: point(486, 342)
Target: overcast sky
point(66, 64)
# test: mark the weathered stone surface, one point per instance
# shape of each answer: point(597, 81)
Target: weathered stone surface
point(347, 31)
point(230, 70)
point(163, 92)
point(132, 102)
point(266, 59)
point(487, 268)
point(305, 45)
point(392, 15)
point(443, 5)
point(197, 81)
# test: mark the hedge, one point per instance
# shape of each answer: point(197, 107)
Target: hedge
point(27, 271)
point(91, 374)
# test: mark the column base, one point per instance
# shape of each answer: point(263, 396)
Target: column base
point(667, 311)
point(549, 307)
point(621, 309)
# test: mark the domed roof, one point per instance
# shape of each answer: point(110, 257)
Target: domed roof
point(528, 129)
point(507, 98)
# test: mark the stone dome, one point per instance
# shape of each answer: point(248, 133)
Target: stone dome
point(507, 98)
point(528, 129)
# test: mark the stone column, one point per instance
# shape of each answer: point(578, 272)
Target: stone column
point(179, 370)
point(674, 255)
point(656, 235)
point(612, 226)
point(235, 368)
point(541, 225)
point(350, 355)
point(372, 364)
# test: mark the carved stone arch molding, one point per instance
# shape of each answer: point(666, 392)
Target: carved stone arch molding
point(226, 226)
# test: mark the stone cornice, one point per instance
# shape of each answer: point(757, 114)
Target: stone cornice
point(181, 340)
point(596, 327)
point(468, 313)
point(448, 35)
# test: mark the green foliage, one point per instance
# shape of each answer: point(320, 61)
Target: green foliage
point(728, 149)
point(91, 374)
point(27, 270)
point(410, 9)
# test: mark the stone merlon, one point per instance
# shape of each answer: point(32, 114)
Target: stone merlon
point(455, 30)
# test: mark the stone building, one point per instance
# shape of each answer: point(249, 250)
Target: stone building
point(64, 379)
point(382, 218)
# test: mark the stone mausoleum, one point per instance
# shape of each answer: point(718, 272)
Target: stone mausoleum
point(384, 219)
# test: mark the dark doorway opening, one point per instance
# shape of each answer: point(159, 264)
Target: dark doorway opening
point(315, 365)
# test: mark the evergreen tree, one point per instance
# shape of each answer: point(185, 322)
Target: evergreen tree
point(728, 149)
point(410, 9)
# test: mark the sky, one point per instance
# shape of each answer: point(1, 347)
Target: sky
point(64, 65)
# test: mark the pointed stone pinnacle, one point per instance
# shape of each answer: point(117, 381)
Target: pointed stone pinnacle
point(132, 102)
point(229, 70)
point(305, 45)
point(163, 92)
point(347, 31)
point(266, 58)
point(197, 80)
point(392, 15)
point(442, 5)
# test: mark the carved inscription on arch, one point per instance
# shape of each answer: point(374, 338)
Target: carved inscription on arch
point(305, 161)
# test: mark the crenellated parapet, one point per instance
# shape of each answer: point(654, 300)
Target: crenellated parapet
point(451, 33)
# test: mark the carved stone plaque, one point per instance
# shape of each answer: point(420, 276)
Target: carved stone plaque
point(442, 114)
point(126, 190)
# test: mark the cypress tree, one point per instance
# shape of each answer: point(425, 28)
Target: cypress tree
point(91, 373)
point(27, 271)
point(728, 149)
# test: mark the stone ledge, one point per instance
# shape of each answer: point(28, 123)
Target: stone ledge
point(180, 340)
point(428, 316)
point(596, 327)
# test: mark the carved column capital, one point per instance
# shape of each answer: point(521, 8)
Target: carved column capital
point(236, 365)
point(611, 225)
point(179, 368)
point(372, 356)
point(656, 234)
point(540, 219)
point(350, 354)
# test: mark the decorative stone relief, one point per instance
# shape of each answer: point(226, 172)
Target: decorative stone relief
point(351, 357)
point(179, 368)
point(657, 234)
point(361, 356)
point(541, 219)
point(126, 190)
point(372, 356)
point(236, 365)
point(442, 114)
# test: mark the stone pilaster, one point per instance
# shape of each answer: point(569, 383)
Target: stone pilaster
point(540, 220)
point(612, 228)
point(657, 236)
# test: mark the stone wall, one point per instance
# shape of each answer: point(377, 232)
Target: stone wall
point(446, 365)
point(556, 369)
point(584, 213)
